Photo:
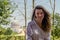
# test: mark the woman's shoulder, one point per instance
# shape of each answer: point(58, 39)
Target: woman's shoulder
point(31, 23)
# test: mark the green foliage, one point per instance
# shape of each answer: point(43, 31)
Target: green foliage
point(8, 34)
point(56, 27)
point(3, 37)
point(8, 31)
point(55, 38)
point(5, 11)
point(2, 30)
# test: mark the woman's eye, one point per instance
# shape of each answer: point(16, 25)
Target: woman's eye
point(37, 13)
point(41, 12)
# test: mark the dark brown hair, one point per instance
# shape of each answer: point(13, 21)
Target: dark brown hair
point(46, 25)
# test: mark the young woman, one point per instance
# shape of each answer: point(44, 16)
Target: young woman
point(40, 26)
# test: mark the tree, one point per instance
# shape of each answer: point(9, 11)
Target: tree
point(2, 30)
point(8, 31)
point(5, 11)
point(53, 11)
point(56, 25)
point(33, 2)
point(25, 12)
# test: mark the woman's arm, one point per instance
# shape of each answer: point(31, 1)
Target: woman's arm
point(48, 36)
point(29, 33)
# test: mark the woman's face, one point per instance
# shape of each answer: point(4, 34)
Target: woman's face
point(39, 14)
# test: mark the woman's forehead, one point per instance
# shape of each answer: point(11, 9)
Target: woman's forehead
point(39, 10)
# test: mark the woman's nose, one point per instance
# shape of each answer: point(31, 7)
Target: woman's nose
point(40, 15)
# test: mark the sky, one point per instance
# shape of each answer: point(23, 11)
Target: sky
point(18, 12)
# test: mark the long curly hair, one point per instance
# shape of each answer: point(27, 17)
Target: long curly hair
point(46, 23)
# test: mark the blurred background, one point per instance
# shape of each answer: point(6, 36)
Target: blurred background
point(15, 15)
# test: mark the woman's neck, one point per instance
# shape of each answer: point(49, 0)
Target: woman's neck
point(39, 22)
